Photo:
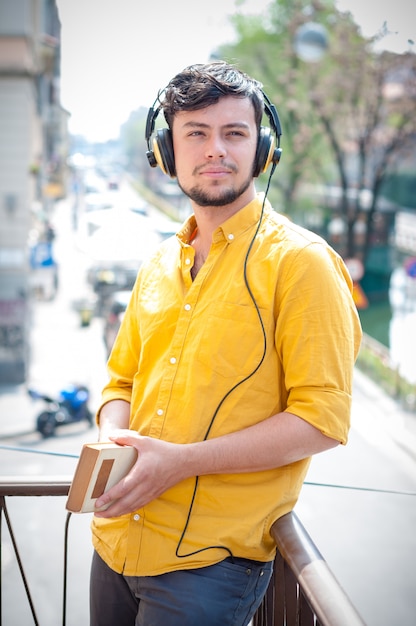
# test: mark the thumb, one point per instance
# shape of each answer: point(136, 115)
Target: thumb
point(125, 437)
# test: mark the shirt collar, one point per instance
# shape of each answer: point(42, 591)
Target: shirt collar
point(234, 226)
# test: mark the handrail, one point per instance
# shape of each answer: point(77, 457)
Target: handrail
point(323, 592)
point(303, 589)
point(34, 485)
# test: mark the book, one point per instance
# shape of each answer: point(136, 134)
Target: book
point(100, 466)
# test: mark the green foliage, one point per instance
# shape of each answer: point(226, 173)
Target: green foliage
point(133, 139)
point(383, 373)
point(348, 120)
point(265, 48)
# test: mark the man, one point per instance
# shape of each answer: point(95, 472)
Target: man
point(233, 365)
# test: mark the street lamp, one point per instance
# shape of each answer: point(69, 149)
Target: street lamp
point(311, 42)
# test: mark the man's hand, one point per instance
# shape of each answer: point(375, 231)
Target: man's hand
point(159, 466)
point(279, 440)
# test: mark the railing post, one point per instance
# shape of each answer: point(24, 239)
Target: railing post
point(26, 486)
point(3, 511)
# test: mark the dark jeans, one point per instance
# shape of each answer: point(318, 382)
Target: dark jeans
point(224, 594)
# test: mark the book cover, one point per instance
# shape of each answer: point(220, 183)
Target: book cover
point(100, 466)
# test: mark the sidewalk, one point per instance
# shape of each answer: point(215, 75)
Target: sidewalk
point(380, 419)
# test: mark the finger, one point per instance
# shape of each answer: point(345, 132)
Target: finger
point(114, 509)
point(125, 437)
point(116, 501)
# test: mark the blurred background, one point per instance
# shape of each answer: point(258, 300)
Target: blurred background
point(76, 82)
point(80, 209)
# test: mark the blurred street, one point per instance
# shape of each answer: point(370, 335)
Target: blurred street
point(358, 505)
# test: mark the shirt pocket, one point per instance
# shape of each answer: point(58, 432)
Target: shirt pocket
point(232, 343)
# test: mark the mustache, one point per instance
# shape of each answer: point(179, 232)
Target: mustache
point(221, 165)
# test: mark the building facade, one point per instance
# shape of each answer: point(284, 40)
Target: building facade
point(32, 161)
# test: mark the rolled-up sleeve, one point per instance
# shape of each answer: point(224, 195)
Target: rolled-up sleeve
point(318, 334)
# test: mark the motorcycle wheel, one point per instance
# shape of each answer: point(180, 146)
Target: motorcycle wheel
point(46, 424)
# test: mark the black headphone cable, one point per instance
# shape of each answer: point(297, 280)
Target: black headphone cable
point(230, 391)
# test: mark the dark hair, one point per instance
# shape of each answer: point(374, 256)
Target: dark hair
point(198, 86)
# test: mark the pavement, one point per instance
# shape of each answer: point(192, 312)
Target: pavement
point(381, 419)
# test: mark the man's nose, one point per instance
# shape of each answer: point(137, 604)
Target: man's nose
point(215, 147)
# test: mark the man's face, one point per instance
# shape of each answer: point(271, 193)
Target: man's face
point(214, 152)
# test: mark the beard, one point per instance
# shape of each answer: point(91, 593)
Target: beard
point(210, 197)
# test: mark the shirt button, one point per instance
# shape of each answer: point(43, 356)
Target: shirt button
point(136, 517)
point(230, 237)
point(172, 360)
point(187, 261)
point(187, 307)
point(159, 411)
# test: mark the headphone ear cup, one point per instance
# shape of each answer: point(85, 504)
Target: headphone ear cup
point(163, 151)
point(265, 151)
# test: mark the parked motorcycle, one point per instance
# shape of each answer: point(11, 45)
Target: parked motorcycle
point(70, 406)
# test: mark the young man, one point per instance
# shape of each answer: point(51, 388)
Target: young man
point(233, 365)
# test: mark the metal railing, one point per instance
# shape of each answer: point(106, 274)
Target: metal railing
point(302, 592)
point(28, 486)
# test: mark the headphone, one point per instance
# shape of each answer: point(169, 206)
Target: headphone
point(160, 153)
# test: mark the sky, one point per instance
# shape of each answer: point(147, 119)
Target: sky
point(117, 54)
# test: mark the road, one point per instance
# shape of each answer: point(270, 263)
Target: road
point(355, 504)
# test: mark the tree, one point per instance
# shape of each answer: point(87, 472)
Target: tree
point(347, 120)
point(132, 138)
point(265, 49)
point(368, 112)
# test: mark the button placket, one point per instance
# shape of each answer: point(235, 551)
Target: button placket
point(173, 362)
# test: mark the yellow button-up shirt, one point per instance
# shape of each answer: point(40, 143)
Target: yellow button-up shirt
point(203, 358)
